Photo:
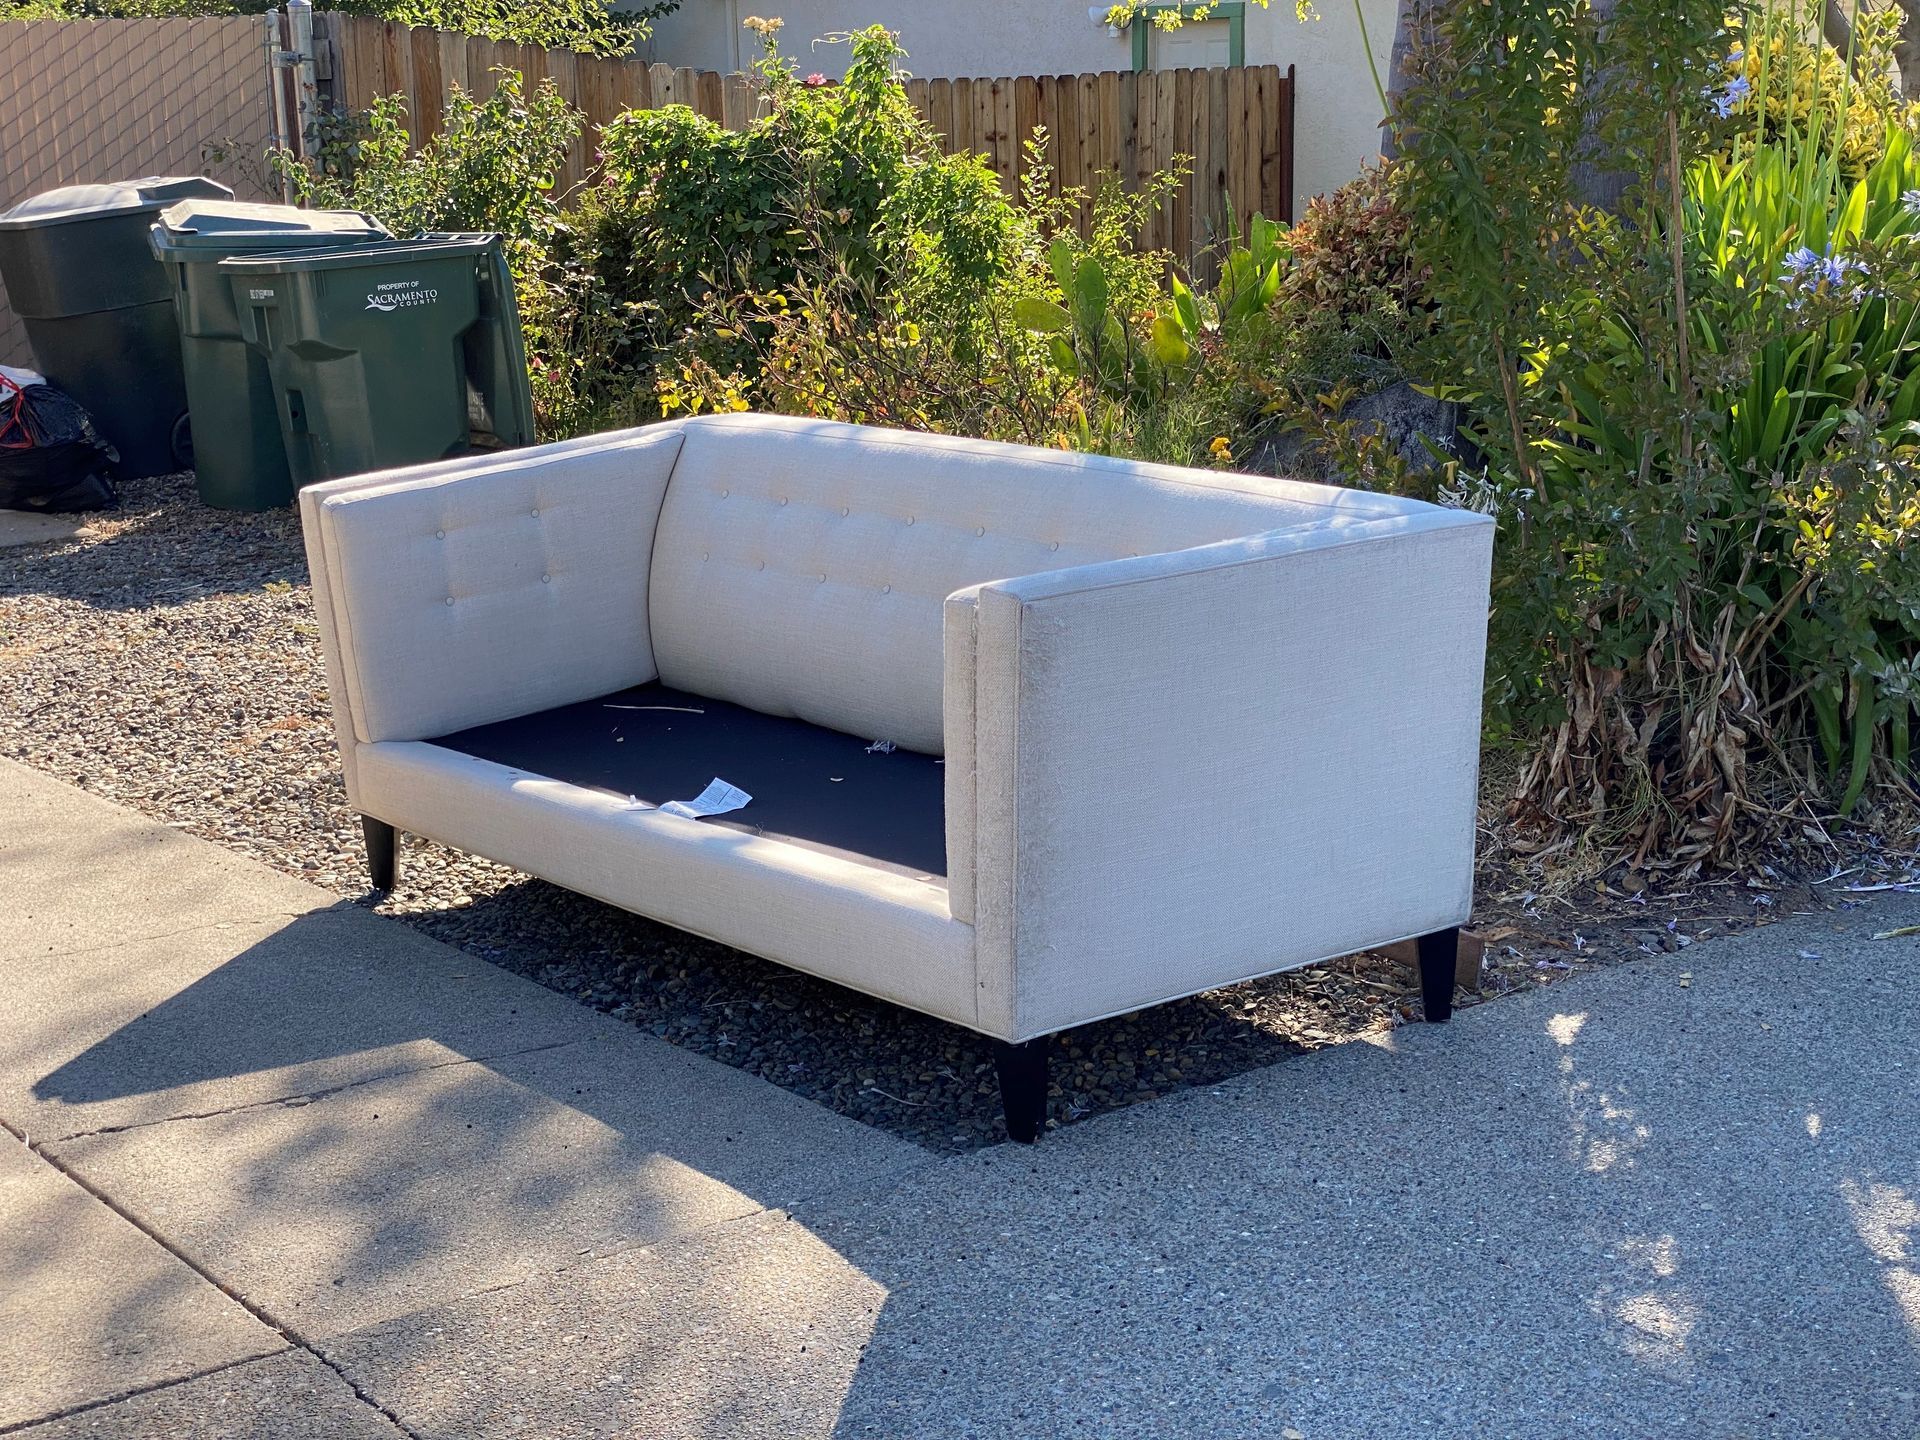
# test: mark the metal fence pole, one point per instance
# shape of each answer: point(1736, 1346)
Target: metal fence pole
point(306, 85)
point(292, 84)
point(276, 131)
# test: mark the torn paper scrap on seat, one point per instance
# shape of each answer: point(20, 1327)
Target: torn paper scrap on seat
point(717, 799)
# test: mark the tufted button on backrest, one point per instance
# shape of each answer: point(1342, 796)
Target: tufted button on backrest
point(760, 508)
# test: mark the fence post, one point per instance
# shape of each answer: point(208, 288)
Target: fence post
point(276, 106)
point(306, 84)
point(330, 71)
point(292, 86)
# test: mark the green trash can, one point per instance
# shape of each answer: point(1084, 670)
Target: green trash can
point(389, 353)
point(496, 355)
point(240, 462)
point(98, 311)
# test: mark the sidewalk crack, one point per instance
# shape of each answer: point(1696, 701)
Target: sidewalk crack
point(305, 1095)
point(16, 1426)
point(293, 1338)
point(124, 941)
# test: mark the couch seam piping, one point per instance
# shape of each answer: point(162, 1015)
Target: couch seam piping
point(1042, 460)
point(1240, 564)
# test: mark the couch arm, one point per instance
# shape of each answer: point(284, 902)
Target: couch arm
point(1199, 767)
point(468, 591)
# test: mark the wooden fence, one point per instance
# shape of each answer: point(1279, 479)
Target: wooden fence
point(86, 101)
point(1236, 124)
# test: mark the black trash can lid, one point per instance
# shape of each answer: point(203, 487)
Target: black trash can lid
point(72, 203)
point(227, 226)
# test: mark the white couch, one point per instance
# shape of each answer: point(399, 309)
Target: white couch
point(1157, 730)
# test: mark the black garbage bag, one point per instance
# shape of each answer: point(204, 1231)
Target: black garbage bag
point(51, 457)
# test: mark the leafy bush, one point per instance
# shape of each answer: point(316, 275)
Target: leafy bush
point(1783, 84)
point(914, 329)
point(1699, 412)
point(1076, 341)
point(1348, 306)
point(1352, 295)
point(585, 25)
point(492, 165)
point(709, 240)
point(1352, 251)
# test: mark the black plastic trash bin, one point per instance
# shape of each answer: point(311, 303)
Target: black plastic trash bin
point(388, 353)
point(240, 462)
point(98, 309)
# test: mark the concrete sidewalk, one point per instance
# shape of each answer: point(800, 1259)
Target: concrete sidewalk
point(291, 1169)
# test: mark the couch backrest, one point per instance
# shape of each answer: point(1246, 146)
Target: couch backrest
point(800, 567)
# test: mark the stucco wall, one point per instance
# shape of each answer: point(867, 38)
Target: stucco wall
point(1337, 116)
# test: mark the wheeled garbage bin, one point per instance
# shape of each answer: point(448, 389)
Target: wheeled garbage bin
point(388, 353)
point(240, 462)
point(98, 311)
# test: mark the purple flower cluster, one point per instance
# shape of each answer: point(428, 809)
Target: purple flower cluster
point(1808, 272)
point(1730, 95)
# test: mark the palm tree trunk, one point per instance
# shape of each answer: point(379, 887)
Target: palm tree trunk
point(1906, 50)
point(1834, 25)
point(1410, 27)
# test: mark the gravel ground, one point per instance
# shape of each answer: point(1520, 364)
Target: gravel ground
point(167, 659)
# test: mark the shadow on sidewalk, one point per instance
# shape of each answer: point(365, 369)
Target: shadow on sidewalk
point(1616, 1208)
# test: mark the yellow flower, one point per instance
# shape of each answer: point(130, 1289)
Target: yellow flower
point(1221, 448)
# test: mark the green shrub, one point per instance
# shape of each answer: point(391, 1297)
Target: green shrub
point(492, 165)
point(1783, 85)
point(1008, 324)
point(691, 214)
point(1352, 296)
point(1698, 410)
point(687, 208)
point(914, 329)
point(585, 25)
point(835, 203)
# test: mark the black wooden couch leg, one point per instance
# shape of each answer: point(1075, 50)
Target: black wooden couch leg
point(1438, 956)
point(382, 846)
point(1023, 1086)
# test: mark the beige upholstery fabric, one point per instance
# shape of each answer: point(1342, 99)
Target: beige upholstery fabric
point(1201, 767)
point(326, 610)
point(493, 588)
point(957, 684)
point(1197, 727)
point(801, 565)
point(873, 929)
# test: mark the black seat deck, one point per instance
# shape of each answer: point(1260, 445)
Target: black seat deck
point(810, 786)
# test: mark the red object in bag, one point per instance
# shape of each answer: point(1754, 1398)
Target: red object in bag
point(51, 457)
point(14, 434)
